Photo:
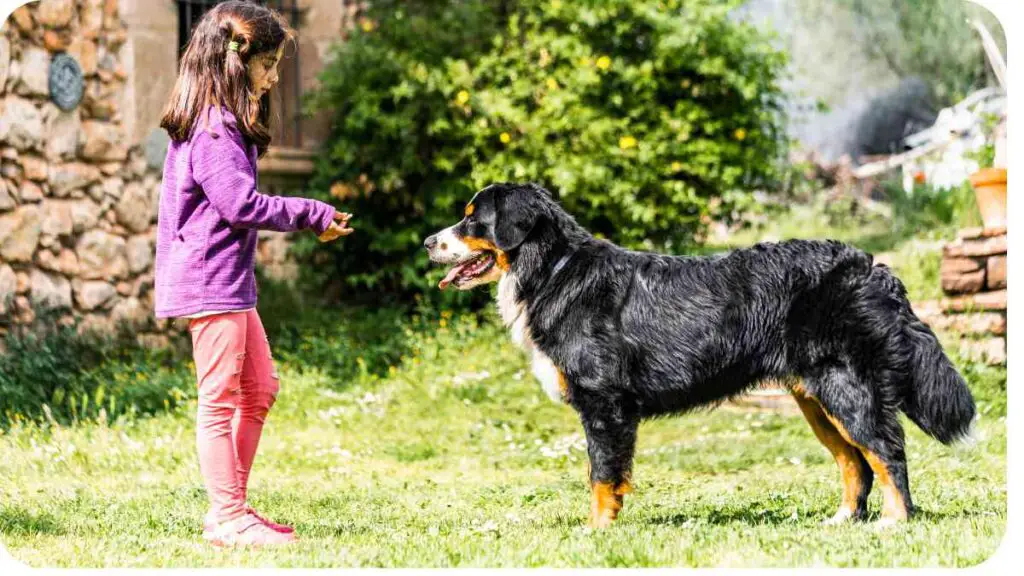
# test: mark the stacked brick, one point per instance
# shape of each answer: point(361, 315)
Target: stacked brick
point(973, 275)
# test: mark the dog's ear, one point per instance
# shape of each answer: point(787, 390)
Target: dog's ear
point(517, 212)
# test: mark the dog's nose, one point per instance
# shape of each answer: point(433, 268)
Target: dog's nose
point(430, 242)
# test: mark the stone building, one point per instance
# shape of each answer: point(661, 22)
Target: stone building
point(79, 187)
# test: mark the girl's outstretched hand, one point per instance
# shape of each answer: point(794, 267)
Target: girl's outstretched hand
point(338, 228)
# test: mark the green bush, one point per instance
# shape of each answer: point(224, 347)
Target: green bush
point(927, 207)
point(646, 118)
point(343, 342)
point(76, 376)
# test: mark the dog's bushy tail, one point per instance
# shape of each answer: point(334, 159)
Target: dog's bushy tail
point(936, 397)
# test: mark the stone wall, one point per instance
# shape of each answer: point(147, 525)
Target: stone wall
point(973, 275)
point(77, 199)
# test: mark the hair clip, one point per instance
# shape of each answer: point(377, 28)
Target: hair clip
point(233, 46)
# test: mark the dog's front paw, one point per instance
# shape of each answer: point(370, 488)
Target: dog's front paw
point(603, 519)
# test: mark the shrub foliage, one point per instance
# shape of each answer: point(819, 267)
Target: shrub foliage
point(646, 118)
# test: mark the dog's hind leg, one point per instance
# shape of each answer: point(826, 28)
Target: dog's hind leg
point(854, 470)
point(865, 419)
point(611, 441)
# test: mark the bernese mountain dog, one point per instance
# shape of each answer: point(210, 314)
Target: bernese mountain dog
point(622, 336)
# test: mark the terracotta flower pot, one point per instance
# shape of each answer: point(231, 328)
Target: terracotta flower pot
point(990, 193)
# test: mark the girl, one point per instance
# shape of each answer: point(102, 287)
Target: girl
point(206, 242)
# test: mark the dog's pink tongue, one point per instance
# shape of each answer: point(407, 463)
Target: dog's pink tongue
point(452, 274)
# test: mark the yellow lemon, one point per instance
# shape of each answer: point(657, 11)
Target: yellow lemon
point(505, 138)
point(604, 62)
point(462, 97)
point(627, 142)
point(740, 134)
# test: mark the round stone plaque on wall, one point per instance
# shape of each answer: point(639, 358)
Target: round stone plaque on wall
point(66, 82)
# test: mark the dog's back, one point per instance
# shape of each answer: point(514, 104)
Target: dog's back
point(692, 331)
point(695, 330)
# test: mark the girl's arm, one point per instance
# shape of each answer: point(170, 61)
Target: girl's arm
point(221, 167)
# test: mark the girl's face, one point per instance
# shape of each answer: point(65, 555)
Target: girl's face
point(263, 70)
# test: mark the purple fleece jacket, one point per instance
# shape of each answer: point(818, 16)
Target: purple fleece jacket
point(210, 212)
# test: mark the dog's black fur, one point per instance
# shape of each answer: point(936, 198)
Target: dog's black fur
point(638, 335)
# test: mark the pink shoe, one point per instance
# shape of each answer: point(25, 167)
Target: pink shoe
point(246, 530)
point(282, 528)
point(209, 523)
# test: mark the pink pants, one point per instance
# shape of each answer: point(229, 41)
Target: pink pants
point(237, 387)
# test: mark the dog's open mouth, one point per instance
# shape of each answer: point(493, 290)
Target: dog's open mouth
point(474, 266)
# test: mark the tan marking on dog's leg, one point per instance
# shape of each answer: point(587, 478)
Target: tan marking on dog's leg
point(798, 389)
point(845, 454)
point(605, 502)
point(894, 509)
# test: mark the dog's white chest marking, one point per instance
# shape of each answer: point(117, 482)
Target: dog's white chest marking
point(513, 314)
point(550, 378)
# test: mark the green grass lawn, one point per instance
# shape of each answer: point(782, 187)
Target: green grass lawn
point(456, 458)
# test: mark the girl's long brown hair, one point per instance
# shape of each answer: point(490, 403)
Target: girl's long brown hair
point(211, 74)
